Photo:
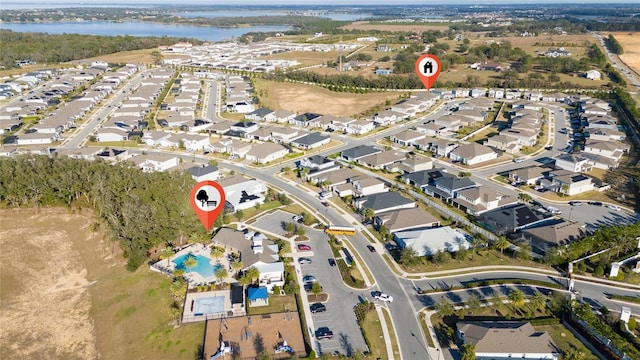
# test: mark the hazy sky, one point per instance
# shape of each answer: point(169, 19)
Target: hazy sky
point(308, 2)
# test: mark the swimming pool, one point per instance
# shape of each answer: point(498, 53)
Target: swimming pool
point(203, 268)
point(208, 305)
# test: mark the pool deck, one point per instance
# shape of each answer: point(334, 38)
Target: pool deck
point(194, 278)
point(188, 314)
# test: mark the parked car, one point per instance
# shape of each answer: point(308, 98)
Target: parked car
point(317, 307)
point(304, 247)
point(297, 218)
point(575, 203)
point(304, 260)
point(614, 207)
point(324, 333)
point(378, 295)
point(371, 248)
point(595, 203)
point(332, 262)
point(518, 160)
point(309, 279)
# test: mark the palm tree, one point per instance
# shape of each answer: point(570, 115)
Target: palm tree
point(221, 274)
point(502, 244)
point(517, 298)
point(368, 213)
point(524, 197)
point(237, 265)
point(253, 273)
point(167, 253)
point(538, 301)
point(217, 252)
point(190, 262)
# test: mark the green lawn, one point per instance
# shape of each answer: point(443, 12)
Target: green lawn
point(277, 304)
point(565, 340)
point(372, 329)
point(482, 258)
point(131, 313)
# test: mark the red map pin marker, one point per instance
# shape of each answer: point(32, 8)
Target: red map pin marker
point(428, 68)
point(207, 200)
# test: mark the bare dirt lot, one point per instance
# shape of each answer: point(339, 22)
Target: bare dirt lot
point(45, 303)
point(631, 45)
point(307, 98)
point(65, 294)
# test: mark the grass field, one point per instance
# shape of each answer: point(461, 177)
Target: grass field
point(631, 45)
point(65, 293)
point(306, 98)
point(373, 331)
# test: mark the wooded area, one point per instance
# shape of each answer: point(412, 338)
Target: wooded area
point(140, 210)
point(50, 49)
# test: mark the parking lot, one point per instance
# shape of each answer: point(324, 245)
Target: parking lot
point(339, 317)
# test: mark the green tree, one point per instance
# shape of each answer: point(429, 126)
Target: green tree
point(167, 253)
point(239, 214)
point(538, 301)
point(524, 197)
point(468, 352)
point(221, 274)
point(441, 257)
point(368, 213)
point(444, 307)
point(502, 244)
point(237, 265)
point(190, 262)
point(253, 273)
point(516, 296)
point(474, 304)
point(316, 289)
point(289, 227)
point(217, 252)
point(409, 257)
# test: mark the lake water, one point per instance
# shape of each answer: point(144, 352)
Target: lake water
point(108, 28)
point(246, 13)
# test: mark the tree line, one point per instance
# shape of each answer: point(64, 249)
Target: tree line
point(140, 210)
point(50, 49)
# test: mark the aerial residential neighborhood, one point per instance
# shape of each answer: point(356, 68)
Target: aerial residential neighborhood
point(490, 214)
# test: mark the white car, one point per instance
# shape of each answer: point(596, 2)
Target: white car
point(614, 207)
point(377, 295)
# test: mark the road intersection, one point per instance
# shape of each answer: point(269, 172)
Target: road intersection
point(407, 302)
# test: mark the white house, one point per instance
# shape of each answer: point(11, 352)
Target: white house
point(266, 152)
point(242, 193)
point(593, 75)
point(427, 242)
point(471, 154)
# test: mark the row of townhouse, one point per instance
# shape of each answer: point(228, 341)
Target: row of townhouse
point(63, 117)
point(525, 122)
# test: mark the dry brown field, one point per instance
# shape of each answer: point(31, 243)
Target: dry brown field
point(307, 98)
point(65, 294)
point(631, 45)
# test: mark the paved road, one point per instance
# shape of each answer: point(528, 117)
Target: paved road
point(406, 303)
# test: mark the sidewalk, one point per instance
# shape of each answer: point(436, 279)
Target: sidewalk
point(385, 332)
point(434, 352)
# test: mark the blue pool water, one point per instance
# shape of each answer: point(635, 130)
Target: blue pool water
point(203, 268)
point(210, 305)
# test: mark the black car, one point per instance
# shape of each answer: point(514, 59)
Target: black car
point(317, 307)
point(371, 248)
point(332, 262)
point(324, 333)
point(595, 203)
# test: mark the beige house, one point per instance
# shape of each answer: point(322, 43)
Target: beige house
point(405, 219)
